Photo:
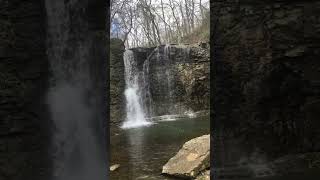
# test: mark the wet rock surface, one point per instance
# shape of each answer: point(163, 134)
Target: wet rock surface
point(191, 161)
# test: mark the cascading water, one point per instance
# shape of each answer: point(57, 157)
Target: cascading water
point(140, 106)
point(135, 112)
point(163, 83)
point(77, 145)
point(148, 104)
point(168, 74)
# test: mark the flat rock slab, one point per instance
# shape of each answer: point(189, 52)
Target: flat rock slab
point(192, 158)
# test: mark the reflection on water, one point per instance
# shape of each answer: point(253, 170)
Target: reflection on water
point(141, 152)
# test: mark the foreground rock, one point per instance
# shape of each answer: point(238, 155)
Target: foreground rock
point(191, 160)
point(114, 167)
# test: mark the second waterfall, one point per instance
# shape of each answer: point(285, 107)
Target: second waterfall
point(134, 104)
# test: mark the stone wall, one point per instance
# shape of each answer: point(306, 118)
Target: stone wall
point(266, 78)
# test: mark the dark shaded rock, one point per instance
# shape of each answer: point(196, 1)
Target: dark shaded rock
point(24, 121)
point(265, 77)
point(204, 175)
point(117, 82)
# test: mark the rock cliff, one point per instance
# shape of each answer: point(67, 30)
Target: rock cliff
point(24, 70)
point(25, 123)
point(177, 77)
point(265, 78)
point(117, 81)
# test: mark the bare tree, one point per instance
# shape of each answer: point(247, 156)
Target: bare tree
point(164, 20)
point(176, 19)
point(152, 22)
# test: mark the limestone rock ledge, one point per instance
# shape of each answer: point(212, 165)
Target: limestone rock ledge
point(192, 160)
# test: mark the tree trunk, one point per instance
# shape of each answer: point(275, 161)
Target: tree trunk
point(165, 24)
point(177, 21)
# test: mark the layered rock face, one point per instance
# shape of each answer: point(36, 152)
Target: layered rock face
point(117, 81)
point(175, 79)
point(266, 78)
point(179, 78)
point(26, 126)
point(24, 134)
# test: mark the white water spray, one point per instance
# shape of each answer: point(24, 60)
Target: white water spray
point(135, 112)
point(77, 147)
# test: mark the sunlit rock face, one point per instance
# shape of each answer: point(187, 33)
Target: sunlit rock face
point(191, 160)
point(266, 74)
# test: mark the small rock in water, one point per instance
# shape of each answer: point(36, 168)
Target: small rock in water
point(204, 176)
point(114, 167)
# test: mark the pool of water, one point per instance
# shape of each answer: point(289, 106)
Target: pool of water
point(312, 174)
point(141, 152)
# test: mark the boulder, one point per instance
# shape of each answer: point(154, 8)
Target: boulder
point(114, 167)
point(192, 158)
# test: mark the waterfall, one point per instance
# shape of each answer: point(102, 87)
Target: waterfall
point(134, 108)
point(148, 104)
point(168, 74)
point(77, 146)
point(162, 80)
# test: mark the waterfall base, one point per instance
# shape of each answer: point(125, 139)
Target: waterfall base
point(130, 124)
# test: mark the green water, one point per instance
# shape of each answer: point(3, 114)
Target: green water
point(141, 152)
point(312, 174)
